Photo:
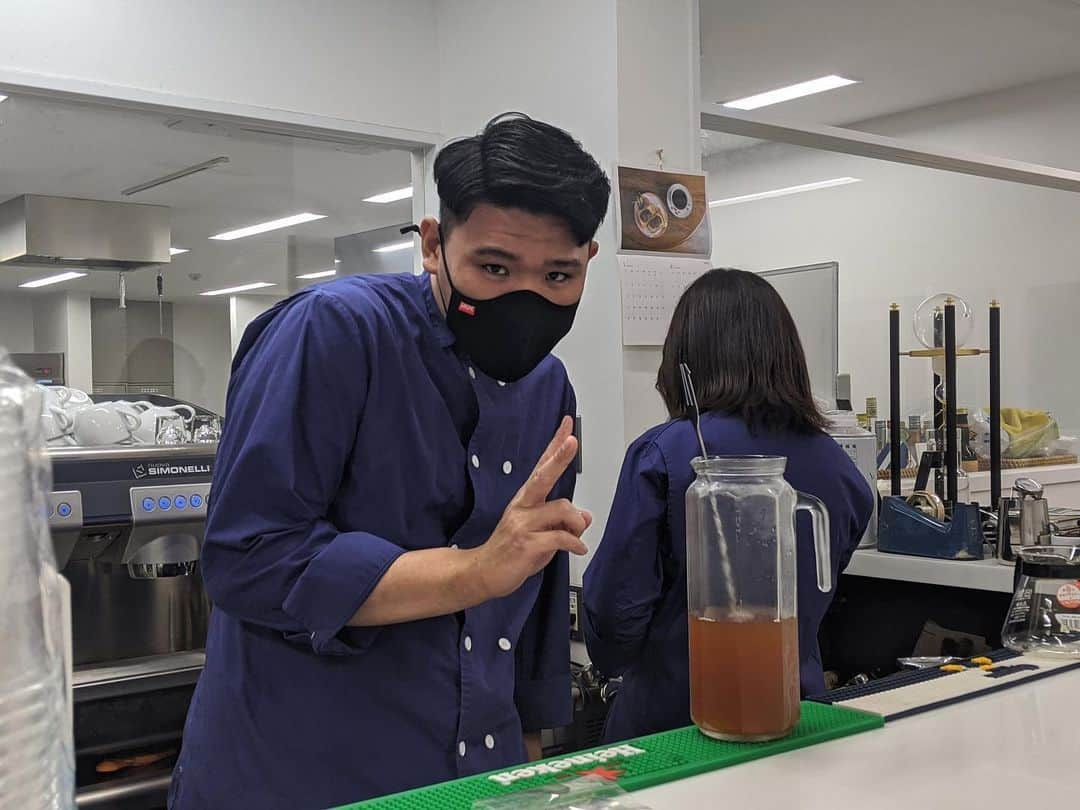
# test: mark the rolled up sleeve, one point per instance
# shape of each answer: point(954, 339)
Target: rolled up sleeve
point(334, 585)
point(272, 554)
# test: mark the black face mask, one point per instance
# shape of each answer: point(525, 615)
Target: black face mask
point(506, 336)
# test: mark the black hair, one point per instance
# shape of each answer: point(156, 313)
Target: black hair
point(519, 162)
point(742, 347)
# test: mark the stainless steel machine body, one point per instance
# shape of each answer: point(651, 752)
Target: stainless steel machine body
point(128, 525)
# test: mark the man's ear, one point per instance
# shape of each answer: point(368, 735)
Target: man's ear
point(430, 246)
point(594, 248)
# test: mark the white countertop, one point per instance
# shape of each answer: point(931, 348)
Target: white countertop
point(1013, 748)
point(982, 575)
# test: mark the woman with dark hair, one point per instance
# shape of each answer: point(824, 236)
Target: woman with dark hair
point(736, 335)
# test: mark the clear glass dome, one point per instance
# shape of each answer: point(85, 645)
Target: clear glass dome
point(927, 313)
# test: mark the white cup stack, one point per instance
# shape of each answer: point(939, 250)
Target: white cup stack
point(70, 417)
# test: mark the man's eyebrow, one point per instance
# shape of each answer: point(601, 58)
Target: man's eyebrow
point(566, 264)
point(502, 254)
point(495, 253)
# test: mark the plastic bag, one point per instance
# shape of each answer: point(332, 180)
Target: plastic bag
point(1065, 446)
point(36, 750)
point(1031, 433)
point(927, 661)
point(979, 429)
point(583, 793)
point(1024, 433)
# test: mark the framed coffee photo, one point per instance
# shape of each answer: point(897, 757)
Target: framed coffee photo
point(663, 212)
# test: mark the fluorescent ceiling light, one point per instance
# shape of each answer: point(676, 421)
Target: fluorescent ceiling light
point(788, 93)
point(320, 274)
point(3, 98)
point(177, 251)
point(783, 192)
point(391, 196)
point(258, 285)
point(43, 282)
point(272, 225)
point(168, 178)
point(393, 246)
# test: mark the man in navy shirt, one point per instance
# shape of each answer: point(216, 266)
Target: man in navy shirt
point(387, 542)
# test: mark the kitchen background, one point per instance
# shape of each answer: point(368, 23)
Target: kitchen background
point(982, 76)
point(92, 152)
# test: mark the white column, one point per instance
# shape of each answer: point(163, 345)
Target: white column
point(80, 361)
point(556, 61)
point(659, 66)
point(243, 309)
point(424, 202)
point(622, 77)
point(62, 324)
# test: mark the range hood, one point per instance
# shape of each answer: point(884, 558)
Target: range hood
point(37, 231)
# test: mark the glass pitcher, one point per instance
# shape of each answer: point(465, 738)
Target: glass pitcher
point(1044, 616)
point(741, 580)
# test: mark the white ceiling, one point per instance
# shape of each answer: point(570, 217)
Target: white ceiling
point(905, 53)
point(94, 152)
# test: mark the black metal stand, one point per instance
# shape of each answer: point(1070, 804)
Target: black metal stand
point(938, 402)
point(945, 421)
point(894, 398)
point(951, 450)
point(995, 403)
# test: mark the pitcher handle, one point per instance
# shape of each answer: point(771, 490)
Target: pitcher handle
point(819, 517)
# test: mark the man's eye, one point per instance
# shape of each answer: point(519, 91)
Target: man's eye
point(495, 269)
point(558, 277)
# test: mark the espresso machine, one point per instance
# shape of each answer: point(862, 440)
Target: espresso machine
point(127, 525)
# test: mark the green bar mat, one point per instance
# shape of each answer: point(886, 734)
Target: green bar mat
point(635, 764)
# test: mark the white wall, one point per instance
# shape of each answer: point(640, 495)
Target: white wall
point(16, 325)
point(201, 352)
point(201, 355)
point(356, 252)
point(49, 313)
point(657, 110)
point(1034, 122)
point(556, 61)
point(904, 233)
point(370, 61)
point(243, 309)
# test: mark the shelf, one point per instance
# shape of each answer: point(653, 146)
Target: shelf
point(980, 575)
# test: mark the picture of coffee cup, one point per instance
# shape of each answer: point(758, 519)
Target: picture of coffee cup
point(680, 201)
point(663, 212)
